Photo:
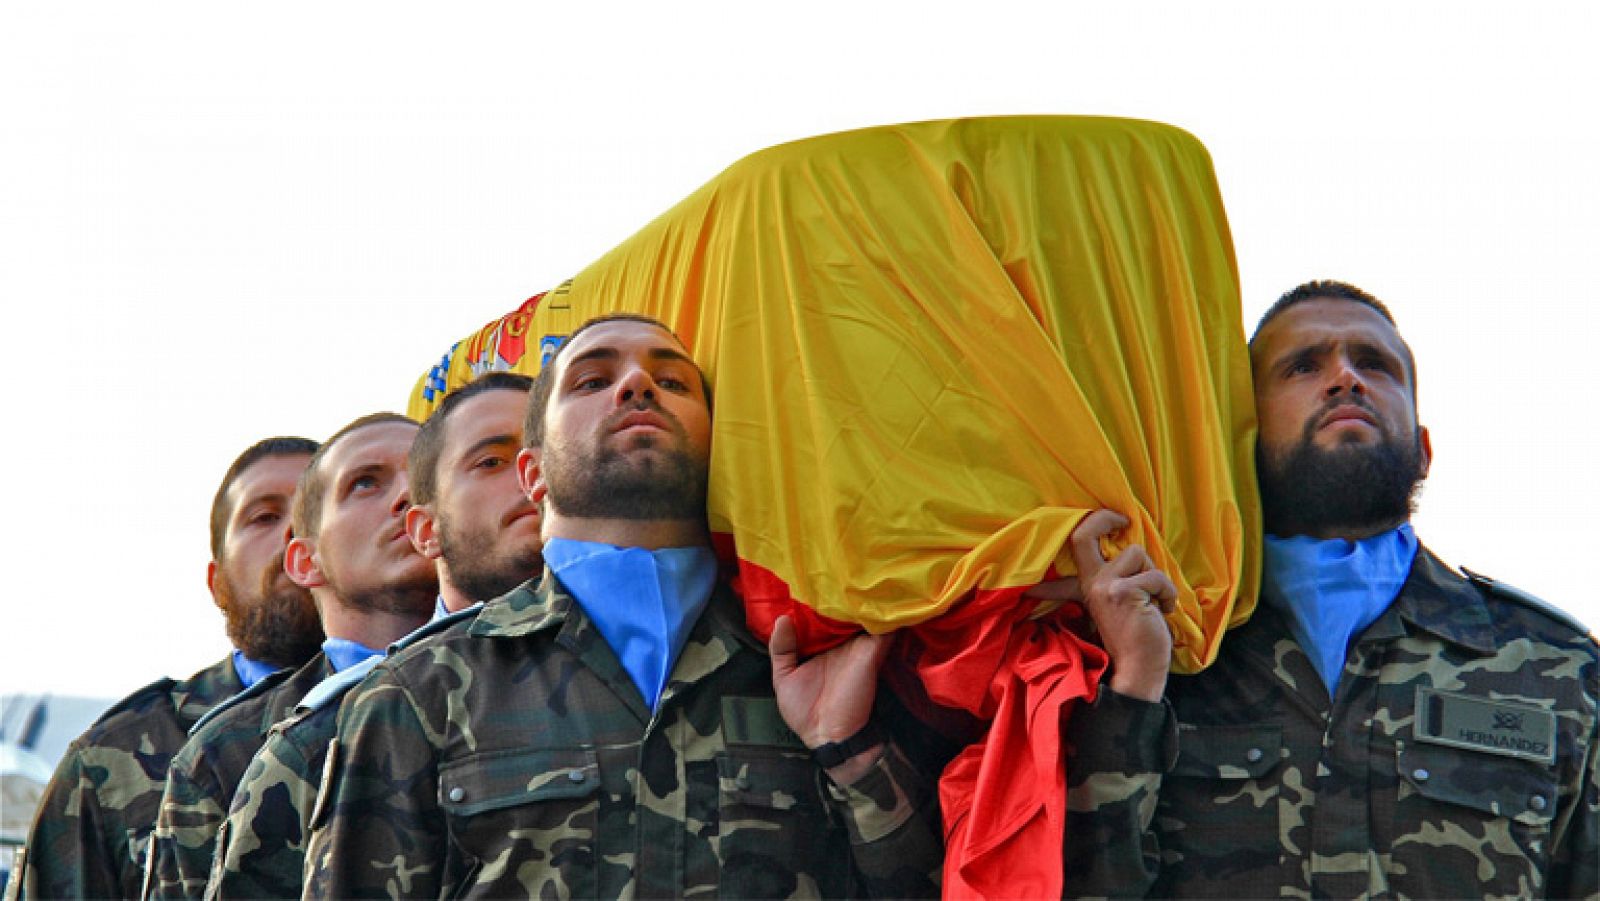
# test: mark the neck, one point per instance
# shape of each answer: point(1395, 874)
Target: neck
point(369, 628)
point(1349, 533)
point(650, 534)
point(454, 600)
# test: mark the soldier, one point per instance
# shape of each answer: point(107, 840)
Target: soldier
point(370, 586)
point(469, 516)
point(613, 729)
point(90, 834)
point(1382, 725)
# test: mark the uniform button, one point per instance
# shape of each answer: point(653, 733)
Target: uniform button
point(575, 775)
point(457, 794)
point(1420, 774)
point(1253, 755)
point(1537, 802)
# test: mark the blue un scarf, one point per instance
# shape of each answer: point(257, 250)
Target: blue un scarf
point(643, 602)
point(1332, 589)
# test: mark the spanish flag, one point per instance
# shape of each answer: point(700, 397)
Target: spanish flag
point(935, 348)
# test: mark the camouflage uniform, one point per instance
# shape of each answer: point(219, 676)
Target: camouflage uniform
point(262, 845)
point(517, 758)
point(90, 834)
point(1458, 760)
point(203, 775)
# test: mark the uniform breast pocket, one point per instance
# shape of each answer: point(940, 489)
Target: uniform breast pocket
point(773, 833)
point(1486, 816)
point(1223, 796)
point(534, 811)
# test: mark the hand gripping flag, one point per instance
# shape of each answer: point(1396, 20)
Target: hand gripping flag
point(935, 348)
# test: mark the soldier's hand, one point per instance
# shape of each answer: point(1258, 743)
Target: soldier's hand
point(829, 697)
point(1127, 598)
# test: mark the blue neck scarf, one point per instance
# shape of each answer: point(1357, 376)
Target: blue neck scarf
point(643, 602)
point(343, 653)
point(1331, 590)
point(251, 671)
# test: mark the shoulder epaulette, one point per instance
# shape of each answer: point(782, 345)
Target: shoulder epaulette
point(263, 685)
point(435, 627)
point(159, 687)
point(334, 687)
point(1523, 599)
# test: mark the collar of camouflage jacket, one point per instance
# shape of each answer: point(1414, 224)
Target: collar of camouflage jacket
point(204, 690)
point(540, 604)
point(715, 638)
point(1437, 600)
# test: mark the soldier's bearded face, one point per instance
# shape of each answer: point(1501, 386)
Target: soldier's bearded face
point(1340, 450)
point(269, 618)
point(362, 547)
point(628, 429)
point(488, 529)
point(273, 621)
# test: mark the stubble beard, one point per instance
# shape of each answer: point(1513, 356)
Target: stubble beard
point(278, 627)
point(607, 483)
point(1351, 488)
point(412, 595)
point(477, 570)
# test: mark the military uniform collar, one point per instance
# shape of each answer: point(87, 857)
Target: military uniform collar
point(531, 607)
point(1436, 600)
point(544, 604)
point(192, 697)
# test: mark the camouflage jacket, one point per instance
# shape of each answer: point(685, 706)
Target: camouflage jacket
point(203, 775)
point(516, 758)
point(1459, 759)
point(89, 837)
point(262, 844)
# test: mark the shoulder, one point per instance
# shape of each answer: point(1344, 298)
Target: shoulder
point(459, 620)
point(150, 698)
point(241, 705)
point(419, 650)
point(1557, 619)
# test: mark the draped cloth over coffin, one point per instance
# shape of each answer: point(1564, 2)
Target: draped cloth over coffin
point(935, 347)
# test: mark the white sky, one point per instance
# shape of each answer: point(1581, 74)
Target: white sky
point(222, 221)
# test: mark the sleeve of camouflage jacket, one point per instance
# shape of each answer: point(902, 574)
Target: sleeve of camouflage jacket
point(67, 856)
point(892, 816)
point(377, 828)
point(1575, 862)
point(1119, 748)
point(186, 828)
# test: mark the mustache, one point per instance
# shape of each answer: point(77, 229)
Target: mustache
point(1333, 403)
point(642, 405)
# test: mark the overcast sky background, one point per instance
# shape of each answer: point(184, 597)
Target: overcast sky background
point(223, 221)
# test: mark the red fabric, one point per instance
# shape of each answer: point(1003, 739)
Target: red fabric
point(1004, 797)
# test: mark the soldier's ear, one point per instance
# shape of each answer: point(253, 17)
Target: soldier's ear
point(423, 531)
point(529, 474)
point(300, 562)
point(211, 583)
point(1425, 447)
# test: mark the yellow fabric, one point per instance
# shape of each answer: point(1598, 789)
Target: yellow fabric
point(935, 346)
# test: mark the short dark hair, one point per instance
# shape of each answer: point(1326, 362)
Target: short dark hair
point(1330, 289)
point(422, 464)
point(221, 509)
point(306, 515)
point(544, 385)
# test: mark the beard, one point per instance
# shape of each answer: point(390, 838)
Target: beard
point(413, 595)
point(279, 627)
point(477, 570)
point(608, 484)
point(1351, 488)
